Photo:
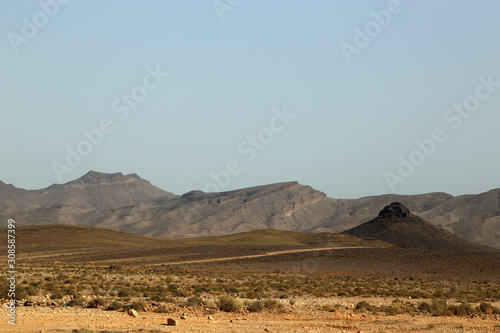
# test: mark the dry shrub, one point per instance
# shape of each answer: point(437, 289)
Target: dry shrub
point(228, 304)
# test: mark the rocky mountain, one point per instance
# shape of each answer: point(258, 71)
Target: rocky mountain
point(396, 225)
point(130, 204)
point(94, 191)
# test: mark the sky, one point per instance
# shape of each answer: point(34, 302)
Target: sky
point(354, 98)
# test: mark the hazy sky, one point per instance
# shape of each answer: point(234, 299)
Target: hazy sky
point(353, 98)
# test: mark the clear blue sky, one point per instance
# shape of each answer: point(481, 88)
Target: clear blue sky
point(231, 69)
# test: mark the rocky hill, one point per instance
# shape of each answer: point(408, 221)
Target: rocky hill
point(396, 225)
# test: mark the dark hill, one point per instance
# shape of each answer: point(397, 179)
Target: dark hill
point(397, 225)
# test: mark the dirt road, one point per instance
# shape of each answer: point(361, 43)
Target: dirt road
point(268, 254)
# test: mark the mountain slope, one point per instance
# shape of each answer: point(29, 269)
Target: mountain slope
point(396, 225)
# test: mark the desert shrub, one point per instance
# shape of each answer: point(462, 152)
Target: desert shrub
point(115, 305)
point(364, 306)
point(330, 307)
point(439, 308)
point(157, 298)
point(172, 288)
point(194, 301)
point(137, 306)
point(393, 309)
point(228, 304)
point(424, 307)
point(75, 302)
point(256, 306)
point(270, 303)
point(161, 309)
point(124, 293)
point(170, 300)
point(461, 310)
point(252, 295)
point(96, 303)
point(58, 294)
point(485, 308)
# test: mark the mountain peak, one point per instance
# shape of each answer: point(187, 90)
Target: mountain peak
point(395, 209)
point(97, 177)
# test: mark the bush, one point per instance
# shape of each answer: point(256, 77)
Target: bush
point(137, 306)
point(364, 306)
point(115, 306)
point(96, 303)
point(75, 302)
point(228, 304)
point(439, 308)
point(425, 307)
point(256, 306)
point(194, 301)
point(330, 307)
point(124, 293)
point(485, 308)
point(161, 309)
point(462, 309)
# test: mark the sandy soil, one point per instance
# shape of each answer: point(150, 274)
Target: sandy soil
point(307, 317)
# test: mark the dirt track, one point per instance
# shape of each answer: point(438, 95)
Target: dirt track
point(269, 254)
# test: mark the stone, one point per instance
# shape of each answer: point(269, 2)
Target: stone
point(395, 209)
point(171, 322)
point(29, 303)
point(133, 313)
point(210, 318)
point(184, 316)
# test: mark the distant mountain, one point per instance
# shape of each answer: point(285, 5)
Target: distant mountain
point(62, 203)
point(396, 225)
point(95, 190)
point(131, 204)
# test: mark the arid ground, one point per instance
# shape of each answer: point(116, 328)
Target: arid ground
point(272, 282)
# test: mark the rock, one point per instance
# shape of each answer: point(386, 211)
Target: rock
point(133, 313)
point(267, 330)
point(395, 209)
point(210, 318)
point(171, 322)
point(184, 316)
point(29, 303)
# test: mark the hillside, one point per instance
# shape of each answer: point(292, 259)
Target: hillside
point(82, 244)
point(396, 225)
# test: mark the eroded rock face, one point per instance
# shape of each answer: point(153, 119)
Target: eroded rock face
point(395, 209)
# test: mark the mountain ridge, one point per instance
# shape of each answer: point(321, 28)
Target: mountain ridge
point(131, 204)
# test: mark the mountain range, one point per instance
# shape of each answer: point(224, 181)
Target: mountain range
point(131, 204)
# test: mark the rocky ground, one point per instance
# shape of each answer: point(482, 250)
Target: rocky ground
point(307, 315)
